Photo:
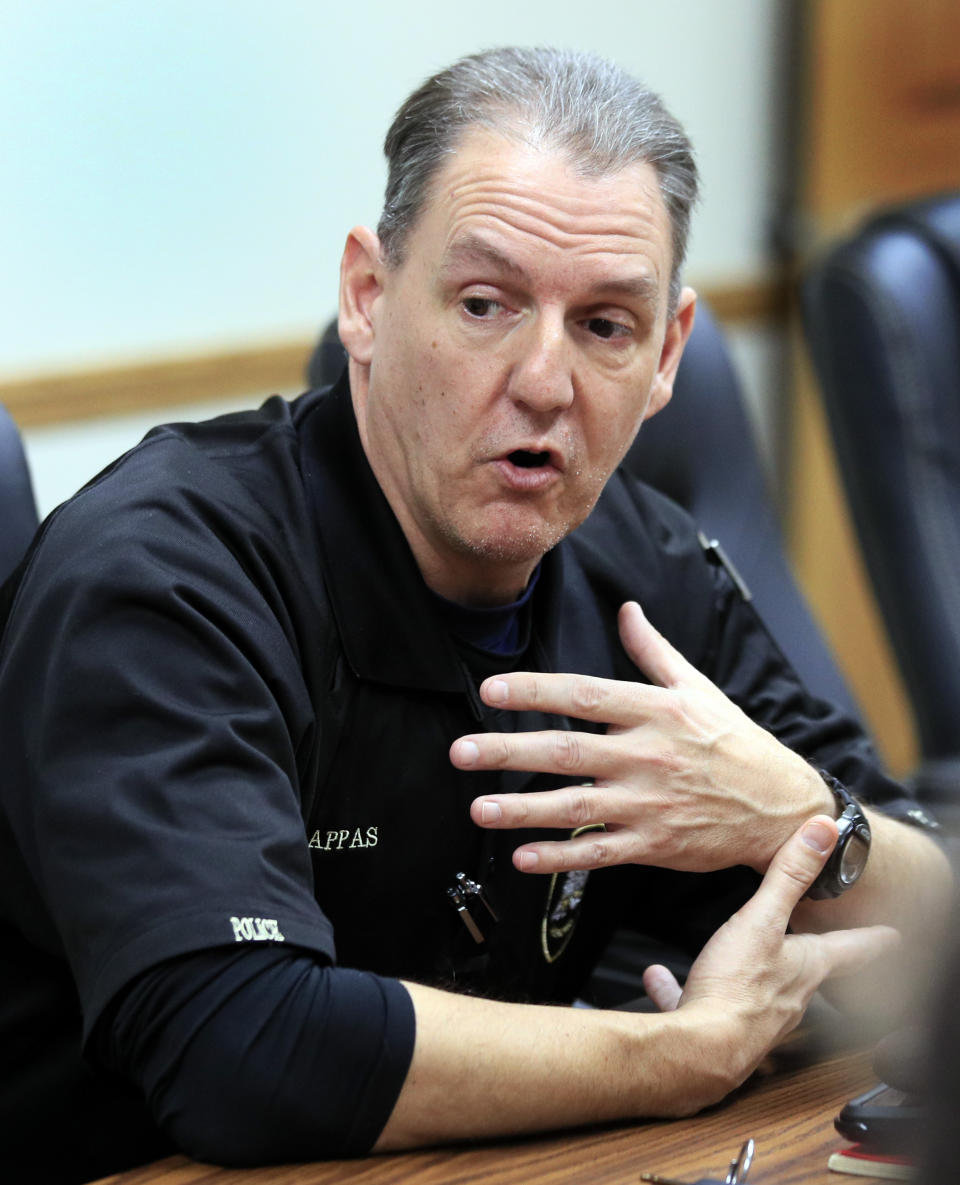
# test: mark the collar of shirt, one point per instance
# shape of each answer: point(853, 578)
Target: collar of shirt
point(496, 629)
point(390, 626)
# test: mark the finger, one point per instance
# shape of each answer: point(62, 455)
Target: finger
point(582, 697)
point(594, 848)
point(662, 987)
point(651, 651)
point(565, 809)
point(793, 870)
point(849, 951)
point(552, 751)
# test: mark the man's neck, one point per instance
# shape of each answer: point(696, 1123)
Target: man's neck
point(479, 590)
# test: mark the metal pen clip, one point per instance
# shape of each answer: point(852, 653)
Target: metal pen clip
point(456, 897)
point(470, 889)
point(461, 895)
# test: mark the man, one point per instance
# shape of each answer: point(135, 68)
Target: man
point(337, 744)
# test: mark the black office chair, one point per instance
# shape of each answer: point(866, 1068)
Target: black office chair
point(882, 317)
point(701, 451)
point(18, 510)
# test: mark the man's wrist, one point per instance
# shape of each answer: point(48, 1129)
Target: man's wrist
point(702, 1055)
point(810, 796)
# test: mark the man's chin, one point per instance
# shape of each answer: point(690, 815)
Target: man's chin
point(492, 565)
point(515, 545)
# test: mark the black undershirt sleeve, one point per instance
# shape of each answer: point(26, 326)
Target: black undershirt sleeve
point(262, 1056)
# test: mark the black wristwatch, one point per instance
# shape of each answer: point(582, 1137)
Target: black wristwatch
point(849, 858)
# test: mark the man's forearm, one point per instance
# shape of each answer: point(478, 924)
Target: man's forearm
point(907, 884)
point(483, 1068)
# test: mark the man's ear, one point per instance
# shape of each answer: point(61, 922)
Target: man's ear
point(678, 331)
point(361, 271)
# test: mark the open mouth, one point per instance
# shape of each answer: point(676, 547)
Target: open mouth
point(524, 459)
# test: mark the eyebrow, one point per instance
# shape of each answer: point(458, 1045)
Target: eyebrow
point(471, 248)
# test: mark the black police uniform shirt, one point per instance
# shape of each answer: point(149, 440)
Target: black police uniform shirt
point(226, 704)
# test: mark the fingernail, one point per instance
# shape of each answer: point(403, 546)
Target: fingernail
point(490, 812)
point(817, 836)
point(527, 861)
point(496, 691)
point(468, 753)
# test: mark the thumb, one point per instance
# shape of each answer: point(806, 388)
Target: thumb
point(662, 987)
point(649, 649)
point(793, 869)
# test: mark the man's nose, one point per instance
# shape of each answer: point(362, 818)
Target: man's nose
point(542, 373)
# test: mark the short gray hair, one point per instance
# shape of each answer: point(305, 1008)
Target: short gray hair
point(589, 108)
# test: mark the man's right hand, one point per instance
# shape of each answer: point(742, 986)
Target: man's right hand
point(753, 980)
point(482, 1068)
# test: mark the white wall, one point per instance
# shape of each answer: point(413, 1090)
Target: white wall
point(180, 174)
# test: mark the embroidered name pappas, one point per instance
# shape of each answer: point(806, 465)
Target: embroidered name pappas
point(346, 837)
point(256, 930)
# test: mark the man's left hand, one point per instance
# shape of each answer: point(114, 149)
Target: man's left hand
point(681, 778)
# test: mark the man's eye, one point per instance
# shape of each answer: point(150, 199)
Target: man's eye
point(480, 306)
point(601, 327)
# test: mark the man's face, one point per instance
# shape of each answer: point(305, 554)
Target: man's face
point(502, 370)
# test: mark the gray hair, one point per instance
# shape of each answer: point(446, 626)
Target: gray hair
point(600, 117)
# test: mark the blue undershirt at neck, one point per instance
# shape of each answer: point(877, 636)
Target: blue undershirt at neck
point(494, 628)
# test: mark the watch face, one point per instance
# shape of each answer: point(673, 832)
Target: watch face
point(853, 859)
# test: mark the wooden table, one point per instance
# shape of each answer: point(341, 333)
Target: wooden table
point(788, 1108)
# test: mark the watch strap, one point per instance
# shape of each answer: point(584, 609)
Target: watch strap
point(834, 877)
point(841, 795)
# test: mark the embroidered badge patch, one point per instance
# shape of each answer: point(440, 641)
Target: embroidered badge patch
point(563, 906)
